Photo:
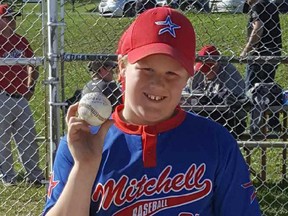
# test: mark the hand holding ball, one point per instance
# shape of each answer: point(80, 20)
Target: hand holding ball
point(94, 108)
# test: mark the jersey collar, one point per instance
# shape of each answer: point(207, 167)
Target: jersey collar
point(166, 125)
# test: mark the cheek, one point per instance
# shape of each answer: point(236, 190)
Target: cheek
point(134, 77)
point(132, 84)
point(180, 83)
point(176, 88)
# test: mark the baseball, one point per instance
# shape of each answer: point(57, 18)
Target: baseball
point(94, 108)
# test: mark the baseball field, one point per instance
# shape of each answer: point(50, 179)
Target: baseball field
point(88, 33)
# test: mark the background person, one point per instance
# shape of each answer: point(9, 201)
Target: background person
point(17, 85)
point(102, 80)
point(151, 153)
point(263, 39)
point(221, 74)
point(223, 84)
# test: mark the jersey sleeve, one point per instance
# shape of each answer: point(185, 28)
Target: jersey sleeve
point(63, 164)
point(234, 192)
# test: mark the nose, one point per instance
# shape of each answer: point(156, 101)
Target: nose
point(157, 80)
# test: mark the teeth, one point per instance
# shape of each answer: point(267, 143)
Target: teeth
point(156, 98)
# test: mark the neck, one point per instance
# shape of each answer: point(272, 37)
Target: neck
point(133, 119)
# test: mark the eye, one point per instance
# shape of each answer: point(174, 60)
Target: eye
point(146, 70)
point(171, 73)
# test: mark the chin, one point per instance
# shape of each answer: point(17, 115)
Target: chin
point(154, 113)
point(154, 117)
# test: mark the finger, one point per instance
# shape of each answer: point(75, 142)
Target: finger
point(104, 128)
point(72, 111)
point(74, 119)
point(75, 126)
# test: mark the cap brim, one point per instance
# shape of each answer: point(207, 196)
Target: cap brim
point(204, 68)
point(160, 48)
point(198, 66)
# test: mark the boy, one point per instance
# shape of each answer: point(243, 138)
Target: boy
point(152, 158)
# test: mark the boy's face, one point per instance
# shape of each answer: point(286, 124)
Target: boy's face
point(8, 23)
point(213, 71)
point(106, 73)
point(153, 88)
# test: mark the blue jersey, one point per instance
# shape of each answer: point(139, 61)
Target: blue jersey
point(185, 166)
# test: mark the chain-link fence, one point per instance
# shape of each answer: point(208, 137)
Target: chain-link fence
point(23, 108)
point(77, 32)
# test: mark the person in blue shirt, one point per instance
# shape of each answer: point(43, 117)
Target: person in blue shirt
point(151, 157)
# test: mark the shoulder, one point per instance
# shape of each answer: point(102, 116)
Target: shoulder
point(88, 84)
point(204, 124)
point(208, 131)
point(257, 9)
point(93, 86)
point(99, 83)
point(263, 8)
point(229, 68)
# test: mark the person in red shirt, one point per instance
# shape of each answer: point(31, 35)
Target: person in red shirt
point(17, 84)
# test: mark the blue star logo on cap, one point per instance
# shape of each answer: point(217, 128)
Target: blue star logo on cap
point(170, 26)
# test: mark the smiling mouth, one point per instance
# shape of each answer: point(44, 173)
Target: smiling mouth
point(154, 98)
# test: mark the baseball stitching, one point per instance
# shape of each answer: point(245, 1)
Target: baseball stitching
point(93, 111)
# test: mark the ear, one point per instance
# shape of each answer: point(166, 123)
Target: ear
point(122, 66)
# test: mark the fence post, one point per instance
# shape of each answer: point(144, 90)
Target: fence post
point(53, 79)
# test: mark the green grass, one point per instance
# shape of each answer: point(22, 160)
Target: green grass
point(88, 33)
point(22, 200)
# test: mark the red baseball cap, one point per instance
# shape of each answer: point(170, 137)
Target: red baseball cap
point(206, 67)
point(161, 30)
point(6, 11)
